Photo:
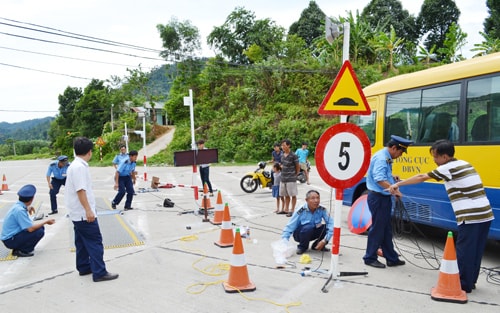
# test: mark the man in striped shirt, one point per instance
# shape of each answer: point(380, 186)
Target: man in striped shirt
point(469, 202)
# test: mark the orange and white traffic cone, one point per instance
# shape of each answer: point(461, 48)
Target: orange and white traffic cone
point(226, 238)
point(238, 273)
point(205, 204)
point(219, 210)
point(5, 187)
point(448, 287)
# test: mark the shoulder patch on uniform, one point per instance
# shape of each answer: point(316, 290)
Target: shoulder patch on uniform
point(302, 209)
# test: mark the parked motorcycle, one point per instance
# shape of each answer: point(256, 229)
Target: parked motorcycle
point(301, 177)
point(260, 177)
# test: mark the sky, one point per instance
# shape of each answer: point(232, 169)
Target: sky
point(34, 72)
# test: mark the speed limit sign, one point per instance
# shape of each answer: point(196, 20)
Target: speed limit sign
point(343, 155)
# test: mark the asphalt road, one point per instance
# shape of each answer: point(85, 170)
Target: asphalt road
point(179, 269)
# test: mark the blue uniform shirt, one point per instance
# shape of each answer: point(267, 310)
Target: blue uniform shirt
point(304, 216)
point(120, 157)
point(58, 172)
point(380, 169)
point(126, 167)
point(16, 220)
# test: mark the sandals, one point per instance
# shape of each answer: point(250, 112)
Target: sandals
point(289, 214)
point(281, 212)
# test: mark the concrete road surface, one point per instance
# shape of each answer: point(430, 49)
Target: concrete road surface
point(179, 269)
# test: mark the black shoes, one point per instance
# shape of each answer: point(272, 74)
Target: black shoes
point(126, 209)
point(397, 263)
point(108, 276)
point(85, 273)
point(113, 205)
point(21, 254)
point(53, 212)
point(376, 264)
point(300, 251)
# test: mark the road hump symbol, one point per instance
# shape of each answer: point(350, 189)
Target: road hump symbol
point(345, 96)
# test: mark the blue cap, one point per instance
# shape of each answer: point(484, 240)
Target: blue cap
point(62, 158)
point(401, 142)
point(27, 191)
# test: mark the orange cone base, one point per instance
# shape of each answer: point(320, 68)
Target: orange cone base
point(222, 244)
point(232, 289)
point(215, 223)
point(460, 298)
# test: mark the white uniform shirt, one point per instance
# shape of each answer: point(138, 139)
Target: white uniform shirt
point(78, 178)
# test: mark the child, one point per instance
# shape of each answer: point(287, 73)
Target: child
point(276, 189)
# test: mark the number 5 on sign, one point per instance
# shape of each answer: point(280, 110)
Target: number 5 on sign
point(343, 155)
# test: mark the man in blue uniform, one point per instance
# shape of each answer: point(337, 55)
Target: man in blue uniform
point(123, 155)
point(307, 224)
point(378, 179)
point(124, 181)
point(57, 170)
point(19, 233)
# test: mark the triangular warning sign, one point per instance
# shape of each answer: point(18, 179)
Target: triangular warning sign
point(345, 96)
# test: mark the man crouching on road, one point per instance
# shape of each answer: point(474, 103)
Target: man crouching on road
point(19, 233)
point(307, 224)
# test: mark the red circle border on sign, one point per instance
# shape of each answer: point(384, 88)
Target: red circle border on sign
point(320, 154)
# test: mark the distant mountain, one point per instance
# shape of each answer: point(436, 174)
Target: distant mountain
point(35, 129)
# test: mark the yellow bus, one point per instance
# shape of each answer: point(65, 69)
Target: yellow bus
point(459, 102)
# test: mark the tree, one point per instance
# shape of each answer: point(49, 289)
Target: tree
point(390, 13)
point(435, 20)
point(181, 40)
point(138, 88)
point(92, 110)
point(361, 33)
point(241, 31)
point(310, 24)
point(489, 45)
point(387, 45)
point(455, 40)
point(492, 23)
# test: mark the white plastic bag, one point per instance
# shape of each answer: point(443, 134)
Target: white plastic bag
point(282, 249)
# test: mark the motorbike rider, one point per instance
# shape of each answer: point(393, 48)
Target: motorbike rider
point(303, 154)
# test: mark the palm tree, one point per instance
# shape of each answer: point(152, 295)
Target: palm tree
point(488, 46)
point(425, 55)
point(387, 44)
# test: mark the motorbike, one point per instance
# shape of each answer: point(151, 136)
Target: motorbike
point(301, 177)
point(260, 177)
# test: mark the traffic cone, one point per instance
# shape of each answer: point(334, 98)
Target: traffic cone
point(205, 202)
point(448, 286)
point(5, 187)
point(226, 238)
point(219, 210)
point(238, 274)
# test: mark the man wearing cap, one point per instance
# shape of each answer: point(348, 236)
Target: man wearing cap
point(123, 155)
point(124, 178)
point(19, 233)
point(378, 179)
point(57, 169)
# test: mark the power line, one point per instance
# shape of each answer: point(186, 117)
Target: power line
point(42, 71)
point(77, 36)
point(79, 46)
point(66, 57)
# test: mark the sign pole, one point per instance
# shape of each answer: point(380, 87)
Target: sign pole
point(188, 101)
point(343, 151)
